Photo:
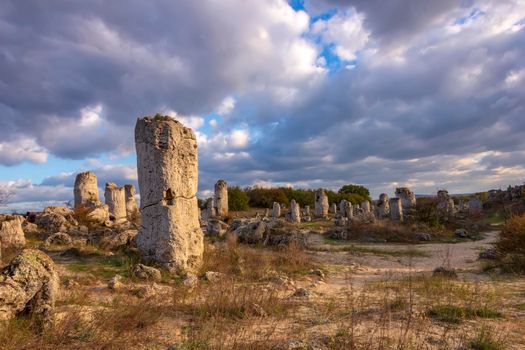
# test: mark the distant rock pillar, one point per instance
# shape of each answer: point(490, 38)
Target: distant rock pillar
point(295, 211)
point(167, 165)
point(365, 206)
point(396, 209)
point(115, 198)
point(276, 210)
point(321, 203)
point(220, 198)
point(383, 206)
point(131, 200)
point(86, 190)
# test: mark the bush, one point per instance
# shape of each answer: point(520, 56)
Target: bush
point(426, 212)
point(264, 197)
point(237, 199)
point(511, 244)
point(362, 191)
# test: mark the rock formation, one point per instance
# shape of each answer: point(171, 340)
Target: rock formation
point(295, 211)
point(220, 199)
point(445, 207)
point(29, 282)
point(345, 209)
point(475, 206)
point(86, 190)
point(365, 206)
point(408, 200)
point(333, 208)
point(167, 164)
point(131, 201)
point(306, 210)
point(383, 207)
point(396, 209)
point(115, 198)
point(276, 210)
point(11, 232)
point(321, 203)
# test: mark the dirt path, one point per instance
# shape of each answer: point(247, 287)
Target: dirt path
point(361, 267)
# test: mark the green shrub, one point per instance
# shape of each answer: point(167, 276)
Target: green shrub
point(237, 199)
point(511, 244)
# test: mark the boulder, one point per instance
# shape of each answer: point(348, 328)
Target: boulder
point(29, 282)
point(146, 272)
point(11, 232)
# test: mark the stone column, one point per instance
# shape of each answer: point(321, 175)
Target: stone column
point(167, 165)
point(276, 210)
point(295, 211)
point(475, 206)
point(396, 209)
point(115, 198)
point(408, 199)
point(366, 207)
point(220, 198)
point(334, 208)
point(307, 210)
point(131, 201)
point(321, 203)
point(383, 207)
point(86, 190)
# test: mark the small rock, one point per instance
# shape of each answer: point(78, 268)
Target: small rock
point(488, 254)
point(58, 238)
point(115, 282)
point(146, 291)
point(213, 276)
point(443, 271)
point(301, 292)
point(461, 233)
point(146, 272)
point(190, 280)
point(318, 272)
point(258, 310)
point(422, 236)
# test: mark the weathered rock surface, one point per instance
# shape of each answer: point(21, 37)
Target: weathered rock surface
point(29, 282)
point(131, 201)
point(383, 207)
point(396, 209)
point(220, 199)
point(295, 211)
point(98, 215)
point(60, 238)
point(475, 207)
point(11, 232)
point(167, 164)
point(115, 198)
point(86, 190)
point(216, 228)
point(56, 219)
point(408, 201)
point(321, 203)
point(346, 210)
point(445, 207)
point(111, 242)
point(365, 207)
point(146, 272)
point(276, 210)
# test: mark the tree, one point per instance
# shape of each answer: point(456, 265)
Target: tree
point(237, 199)
point(5, 195)
point(355, 189)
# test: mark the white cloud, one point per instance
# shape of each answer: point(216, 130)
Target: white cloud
point(227, 105)
point(21, 149)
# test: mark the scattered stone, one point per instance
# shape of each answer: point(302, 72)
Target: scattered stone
point(98, 215)
point(301, 292)
point(59, 238)
point(190, 280)
point(212, 276)
point(86, 190)
point(461, 233)
point(318, 272)
point(340, 221)
point(167, 164)
point(422, 236)
point(443, 271)
point(29, 282)
point(11, 232)
point(220, 198)
point(29, 228)
point(216, 228)
point(258, 310)
point(146, 291)
point(112, 242)
point(146, 272)
point(115, 282)
point(321, 203)
point(488, 254)
point(276, 210)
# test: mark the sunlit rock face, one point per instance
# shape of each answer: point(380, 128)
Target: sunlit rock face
point(86, 190)
point(220, 199)
point(321, 203)
point(167, 165)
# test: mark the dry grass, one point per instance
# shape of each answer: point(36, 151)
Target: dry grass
point(511, 245)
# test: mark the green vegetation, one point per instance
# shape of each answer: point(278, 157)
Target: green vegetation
point(485, 340)
point(237, 199)
point(511, 245)
point(455, 314)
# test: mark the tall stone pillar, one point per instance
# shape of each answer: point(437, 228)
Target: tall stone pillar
point(115, 198)
point(366, 207)
point(276, 210)
point(131, 201)
point(383, 206)
point(167, 165)
point(220, 198)
point(321, 203)
point(295, 211)
point(396, 209)
point(86, 190)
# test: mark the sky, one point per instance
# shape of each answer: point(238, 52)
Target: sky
point(303, 93)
